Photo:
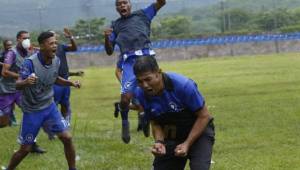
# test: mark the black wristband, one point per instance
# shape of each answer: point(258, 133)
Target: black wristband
point(160, 141)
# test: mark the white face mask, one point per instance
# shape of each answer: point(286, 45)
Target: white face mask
point(26, 43)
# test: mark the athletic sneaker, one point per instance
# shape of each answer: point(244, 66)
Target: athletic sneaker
point(125, 131)
point(36, 149)
point(117, 109)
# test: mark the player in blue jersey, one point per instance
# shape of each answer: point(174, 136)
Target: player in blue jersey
point(62, 93)
point(131, 33)
point(142, 124)
point(37, 77)
point(182, 126)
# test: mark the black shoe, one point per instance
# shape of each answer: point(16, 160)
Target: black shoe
point(36, 149)
point(117, 110)
point(146, 128)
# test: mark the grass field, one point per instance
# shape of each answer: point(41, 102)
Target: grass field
point(255, 101)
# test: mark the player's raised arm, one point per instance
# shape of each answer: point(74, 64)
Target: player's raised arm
point(72, 46)
point(159, 4)
point(109, 47)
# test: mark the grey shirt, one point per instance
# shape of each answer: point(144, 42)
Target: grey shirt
point(40, 95)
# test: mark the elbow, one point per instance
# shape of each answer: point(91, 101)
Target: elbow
point(109, 52)
point(4, 74)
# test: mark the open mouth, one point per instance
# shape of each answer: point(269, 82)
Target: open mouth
point(123, 11)
point(149, 91)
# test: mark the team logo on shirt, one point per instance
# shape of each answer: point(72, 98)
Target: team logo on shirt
point(174, 107)
point(29, 137)
point(127, 85)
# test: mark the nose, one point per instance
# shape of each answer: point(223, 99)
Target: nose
point(145, 85)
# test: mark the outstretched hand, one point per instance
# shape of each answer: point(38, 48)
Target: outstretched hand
point(80, 73)
point(76, 84)
point(108, 32)
point(67, 33)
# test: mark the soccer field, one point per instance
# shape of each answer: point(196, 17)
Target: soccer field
point(255, 101)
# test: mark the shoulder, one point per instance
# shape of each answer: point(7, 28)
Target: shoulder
point(181, 84)
point(27, 63)
point(9, 53)
point(178, 80)
point(32, 57)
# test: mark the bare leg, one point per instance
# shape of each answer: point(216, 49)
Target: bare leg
point(66, 139)
point(18, 156)
point(124, 106)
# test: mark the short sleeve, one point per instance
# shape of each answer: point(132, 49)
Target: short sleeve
point(9, 58)
point(26, 69)
point(150, 12)
point(192, 98)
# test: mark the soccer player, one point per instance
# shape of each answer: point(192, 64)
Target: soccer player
point(131, 32)
point(62, 93)
point(181, 124)
point(22, 51)
point(37, 77)
point(142, 123)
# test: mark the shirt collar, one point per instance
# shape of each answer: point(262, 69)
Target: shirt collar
point(169, 86)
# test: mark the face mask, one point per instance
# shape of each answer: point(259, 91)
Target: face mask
point(26, 43)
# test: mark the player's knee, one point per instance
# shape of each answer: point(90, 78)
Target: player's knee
point(125, 101)
point(25, 149)
point(66, 138)
point(4, 121)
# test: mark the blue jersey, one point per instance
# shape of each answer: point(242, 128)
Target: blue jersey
point(40, 95)
point(176, 106)
point(61, 54)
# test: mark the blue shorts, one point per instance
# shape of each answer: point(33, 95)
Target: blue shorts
point(128, 83)
point(7, 103)
point(119, 63)
point(49, 117)
point(62, 95)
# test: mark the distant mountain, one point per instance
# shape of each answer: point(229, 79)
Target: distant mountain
point(55, 14)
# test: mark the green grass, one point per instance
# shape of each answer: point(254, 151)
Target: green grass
point(255, 101)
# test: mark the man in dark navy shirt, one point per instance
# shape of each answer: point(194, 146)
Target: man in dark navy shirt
point(131, 33)
point(62, 93)
point(182, 126)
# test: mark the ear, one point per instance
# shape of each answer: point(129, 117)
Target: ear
point(159, 70)
point(42, 46)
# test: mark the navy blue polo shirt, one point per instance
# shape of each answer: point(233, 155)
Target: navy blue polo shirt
point(133, 32)
point(177, 104)
point(61, 54)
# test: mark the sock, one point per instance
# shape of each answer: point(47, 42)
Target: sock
point(124, 114)
point(125, 123)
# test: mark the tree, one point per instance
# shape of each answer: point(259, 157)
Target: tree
point(172, 27)
point(89, 31)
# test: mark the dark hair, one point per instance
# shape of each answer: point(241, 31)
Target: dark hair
point(44, 36)
point(20, 33)
point(145, 64)
point(117, 1)
point(5, 41)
